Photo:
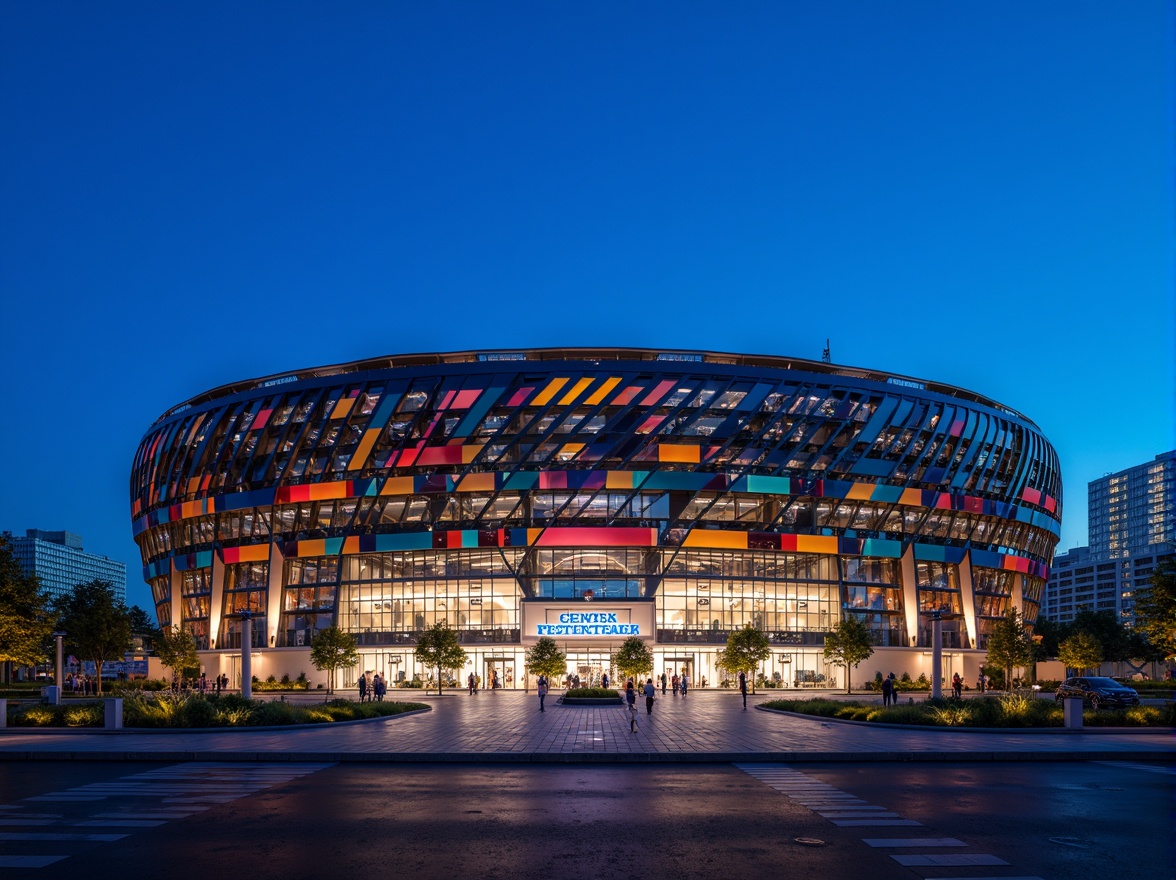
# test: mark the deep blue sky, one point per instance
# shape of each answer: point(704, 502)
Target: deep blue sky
point(191, 194)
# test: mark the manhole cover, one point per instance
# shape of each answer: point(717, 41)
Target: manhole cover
point(808, 841)
point(1076, 842)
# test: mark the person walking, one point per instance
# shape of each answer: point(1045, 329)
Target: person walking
point(684, 684)
point(743, 688)
point(887, 691)
point(957, 686)
point(361, 683)
point(541, 689)
point(676, 682)
point(663, 684)
point(980, 683)
point(631, 705)
point(472, 682)
point(649, 691)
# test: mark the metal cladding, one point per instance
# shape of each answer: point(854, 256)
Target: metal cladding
point(387, 494)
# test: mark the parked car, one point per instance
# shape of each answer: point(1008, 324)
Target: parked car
point(1098, 692)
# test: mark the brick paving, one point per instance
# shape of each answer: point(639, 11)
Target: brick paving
point(507, 726)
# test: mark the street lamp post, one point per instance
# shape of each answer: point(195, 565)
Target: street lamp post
point(936, 654)
point(58, 678)
point(246, 618)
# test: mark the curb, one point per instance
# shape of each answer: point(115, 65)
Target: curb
point(660, 758)
point(936, 728)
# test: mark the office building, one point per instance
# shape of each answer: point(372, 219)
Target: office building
point(60, 563)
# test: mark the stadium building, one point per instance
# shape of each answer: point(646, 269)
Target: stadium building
point(592, 495)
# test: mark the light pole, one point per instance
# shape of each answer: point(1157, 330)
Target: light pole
point(936, 654)
point(57, 677)
point(246, 617)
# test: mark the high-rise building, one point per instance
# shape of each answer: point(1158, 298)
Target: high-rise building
point(1133, 512)
point(60, 563)
point(1132, 526)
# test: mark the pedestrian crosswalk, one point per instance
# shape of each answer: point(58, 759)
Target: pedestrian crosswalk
point(128, 804)
point(846, 810)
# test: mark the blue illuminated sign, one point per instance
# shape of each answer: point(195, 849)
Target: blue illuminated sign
point(588, 623)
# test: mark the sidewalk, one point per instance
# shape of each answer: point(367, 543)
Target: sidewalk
point(506, 726)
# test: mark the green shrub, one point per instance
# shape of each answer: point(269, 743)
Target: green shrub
point(83, 715)
point(593, 694)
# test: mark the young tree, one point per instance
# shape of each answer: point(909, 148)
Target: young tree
point(176, 649)
point(1009, 645)
point(438, 648)
point(746, 649)
point(546, 659)
point(848, 644)
point(97, 624)
point(330, 649)
point(26, 621)
point(1081, 651)
point(1155, 608)
point(633, 658)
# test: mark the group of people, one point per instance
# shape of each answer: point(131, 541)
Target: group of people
point(474, 682)
point(648, 690)
point(372, 688)
point(80, 684)
point(680, 683)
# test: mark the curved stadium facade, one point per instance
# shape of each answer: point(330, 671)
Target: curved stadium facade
point(593, 494)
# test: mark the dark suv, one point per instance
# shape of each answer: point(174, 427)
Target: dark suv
point(1099, 692)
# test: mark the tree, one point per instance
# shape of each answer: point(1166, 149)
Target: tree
point(96, 622)
point(330, 649)
point(1081, 651)
point(746, 649)
point(546, 659)
point(848, 644)
point(1009, 645)
point(633, 658)
point(1108, 630)
point(438, 648)
point(26, 621)
point(1155, 608)
point(176, 649)
point(143, 628)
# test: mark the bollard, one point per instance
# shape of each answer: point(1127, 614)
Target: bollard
point(112, 713)
point(3, 713)
point(1072, 713)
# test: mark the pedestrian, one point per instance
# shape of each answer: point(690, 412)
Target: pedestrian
point(677, 683)
point(631, 705)
point(381, 688)
point(361, 683)
point(684, 684)
point(663, 684)
point(743, 688)
point(472, 681)
point(982, 682)
point(957, 686)
point(541, 689)
point(887, 691)
point(604, 680)
point(649, 691)
point(494, 680)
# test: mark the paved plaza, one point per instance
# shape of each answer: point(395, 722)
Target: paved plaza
point(507, 726)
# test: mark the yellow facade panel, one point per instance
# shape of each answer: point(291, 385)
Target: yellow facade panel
point(912, 496)
point(470, 452)
point(576, 391)
point(550, 391)
point(343, 408)
point(618, 480)
point(602, 392)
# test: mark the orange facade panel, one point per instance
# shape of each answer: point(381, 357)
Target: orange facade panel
point(716, 539)
point(677, 452)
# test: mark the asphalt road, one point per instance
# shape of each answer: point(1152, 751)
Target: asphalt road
point(1066, 821)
